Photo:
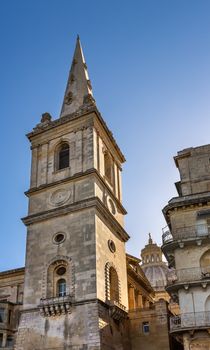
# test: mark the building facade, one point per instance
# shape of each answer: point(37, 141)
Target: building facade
point(186, 245)
point(75, 259)
point(78, 290)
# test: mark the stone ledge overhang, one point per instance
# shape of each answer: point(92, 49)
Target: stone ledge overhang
point(189, 329)
point(187, 285)
point(180, 243)
point(80, 113)
point(55, 306)
point(18, 271)
point(184, 201)
point(74, 177)
point(93, 202)
point(117, 311)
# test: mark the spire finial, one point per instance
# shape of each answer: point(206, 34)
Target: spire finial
point(150, 239)
point(78, 90)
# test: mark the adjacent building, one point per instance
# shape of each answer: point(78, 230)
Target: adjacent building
point(186, 245)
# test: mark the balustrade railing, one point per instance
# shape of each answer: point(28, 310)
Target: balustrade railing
point(166, 236)
point(188, 275)
point(185, 232)
point(55, 306)
point(190, 320)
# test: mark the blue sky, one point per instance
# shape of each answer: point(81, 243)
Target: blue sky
point(149, 63)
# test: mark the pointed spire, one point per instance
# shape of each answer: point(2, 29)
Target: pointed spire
point(78, 90)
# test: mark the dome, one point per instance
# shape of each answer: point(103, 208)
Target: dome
point(156, 276)
point(153, 266)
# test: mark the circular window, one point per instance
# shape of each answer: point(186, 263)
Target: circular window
point(59, 238)
point(111, 246)
point(61, 271)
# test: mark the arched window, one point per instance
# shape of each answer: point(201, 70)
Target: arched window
point(207, 305)
point(205, 264)
point(61, 287)
point(57, 271)
point(114, 285)
point(108, 167)
point(63, 156)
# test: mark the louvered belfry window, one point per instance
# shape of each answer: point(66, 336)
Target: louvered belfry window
point(63, 156)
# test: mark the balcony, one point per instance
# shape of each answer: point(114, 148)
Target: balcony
point(195, 275)
point(55, 306)
point(198, 231)
point(117, 310)
point(188, 321)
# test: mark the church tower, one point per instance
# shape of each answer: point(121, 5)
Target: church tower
point(75, 291)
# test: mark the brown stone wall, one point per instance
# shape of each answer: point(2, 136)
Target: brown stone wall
point(157, 337)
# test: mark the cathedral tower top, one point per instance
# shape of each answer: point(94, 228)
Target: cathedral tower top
point(78, 89)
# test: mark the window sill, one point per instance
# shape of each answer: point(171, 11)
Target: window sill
point(60, 170)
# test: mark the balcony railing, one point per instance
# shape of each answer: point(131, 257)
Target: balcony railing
point(166, 236)
point(117, 310)
point(188, 275)
point(55, 306)
point(190, 320)
point(186, 232)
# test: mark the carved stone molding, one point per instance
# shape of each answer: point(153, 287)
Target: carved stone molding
point(55, 306)
point(59, 197)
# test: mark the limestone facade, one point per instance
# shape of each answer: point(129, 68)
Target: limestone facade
point(186, 246)
point(78, 289)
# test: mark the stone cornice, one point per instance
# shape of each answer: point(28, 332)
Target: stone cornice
point(8, 273)
point(144, 283)
point(93, 202)
point(190, 201)
point(42, 127)
point(74, 177)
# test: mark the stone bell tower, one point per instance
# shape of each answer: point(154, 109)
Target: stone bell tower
point(75, 291)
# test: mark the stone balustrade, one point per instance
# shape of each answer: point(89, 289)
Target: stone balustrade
point(190, 321)
point(55, 306)
point(117, 310)
point(188, 275)
point(187, 232)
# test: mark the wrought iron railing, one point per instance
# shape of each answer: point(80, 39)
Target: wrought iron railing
point(188, 275)
point(190, 320)
point(185, 232)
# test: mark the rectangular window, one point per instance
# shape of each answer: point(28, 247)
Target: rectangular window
point(1, 340)
point(2, 311)
point(10, 341)
point(9, 316)
point(145, 327)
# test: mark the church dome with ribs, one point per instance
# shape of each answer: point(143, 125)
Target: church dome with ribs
point(153, 266)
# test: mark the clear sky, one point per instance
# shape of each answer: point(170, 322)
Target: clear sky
point(149, 63)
